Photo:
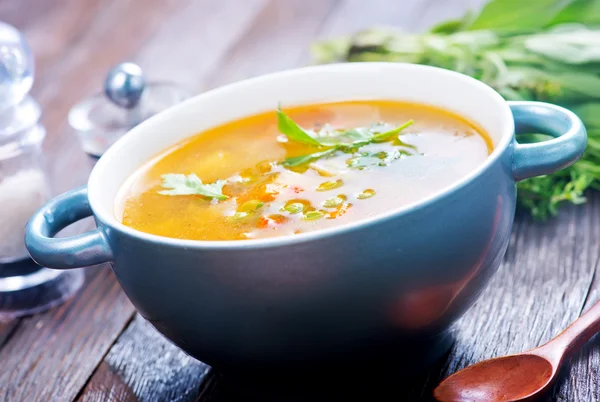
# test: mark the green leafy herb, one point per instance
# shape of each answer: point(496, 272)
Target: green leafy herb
point(293, 131)
point(180, 184)
point(391, 133)
point(336, 140)
point(301, 160)
point(544, 50)
point(517, 14)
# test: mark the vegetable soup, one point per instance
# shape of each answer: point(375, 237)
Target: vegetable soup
point(300, 169)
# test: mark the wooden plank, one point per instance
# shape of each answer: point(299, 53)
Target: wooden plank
point(144, 366)
point(191, 45)
point(50, 355)
point(279, 39)
point(580, 380)
point(6, 331)
point(23, 13)
point(356, 15)
point(67, 20)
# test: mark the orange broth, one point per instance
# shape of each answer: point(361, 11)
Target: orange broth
point(267, 199)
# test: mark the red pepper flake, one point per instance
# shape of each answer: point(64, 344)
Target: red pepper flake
point(296, 189)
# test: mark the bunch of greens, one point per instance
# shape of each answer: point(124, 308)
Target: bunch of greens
point(546, 50)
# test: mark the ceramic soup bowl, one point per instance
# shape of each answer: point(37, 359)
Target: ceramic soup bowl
point(390, 285)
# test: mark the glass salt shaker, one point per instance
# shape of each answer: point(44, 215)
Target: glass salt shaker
point(25, 287)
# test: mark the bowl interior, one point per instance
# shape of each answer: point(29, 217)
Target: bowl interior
point(352, 81)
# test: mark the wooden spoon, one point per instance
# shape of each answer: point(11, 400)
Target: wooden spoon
point(520, 377)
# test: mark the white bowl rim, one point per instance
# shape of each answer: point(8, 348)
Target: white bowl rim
point(127, 141)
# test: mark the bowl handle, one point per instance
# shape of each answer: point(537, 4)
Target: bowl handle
point(86, 249)
point(546, 157)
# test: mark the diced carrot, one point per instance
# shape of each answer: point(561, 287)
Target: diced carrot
point(262, 223)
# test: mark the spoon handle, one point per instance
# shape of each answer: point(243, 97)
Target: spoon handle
point(574, 336)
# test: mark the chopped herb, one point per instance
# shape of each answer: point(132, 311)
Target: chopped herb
point(330, 185)
point(250, 206)
point(239, 216)
point(180, 184)
point(366, 194)
point(389, 134)
point(294, 207)
point(333, 202)
point(312, 215)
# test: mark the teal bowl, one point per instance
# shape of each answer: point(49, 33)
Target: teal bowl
point(390, 285)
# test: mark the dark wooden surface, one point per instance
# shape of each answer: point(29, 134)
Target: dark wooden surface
point(95, 348)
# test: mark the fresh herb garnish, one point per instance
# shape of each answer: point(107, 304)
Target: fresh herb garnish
point(180, 184)
point(293, 131)
point(336, 140)
point(389, 134)
point(303, 159)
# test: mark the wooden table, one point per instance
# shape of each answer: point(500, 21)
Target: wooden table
point(96, 348)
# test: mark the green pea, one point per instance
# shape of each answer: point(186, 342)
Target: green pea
point(312, 215)
point(330, 185)
point(366, 194)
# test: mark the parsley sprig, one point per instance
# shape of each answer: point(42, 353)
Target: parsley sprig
point(180, 184)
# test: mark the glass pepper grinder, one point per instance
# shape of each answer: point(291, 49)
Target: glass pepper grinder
point(25, 288)
point(126, 100)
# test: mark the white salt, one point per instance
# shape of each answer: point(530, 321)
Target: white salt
point(20, 196)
